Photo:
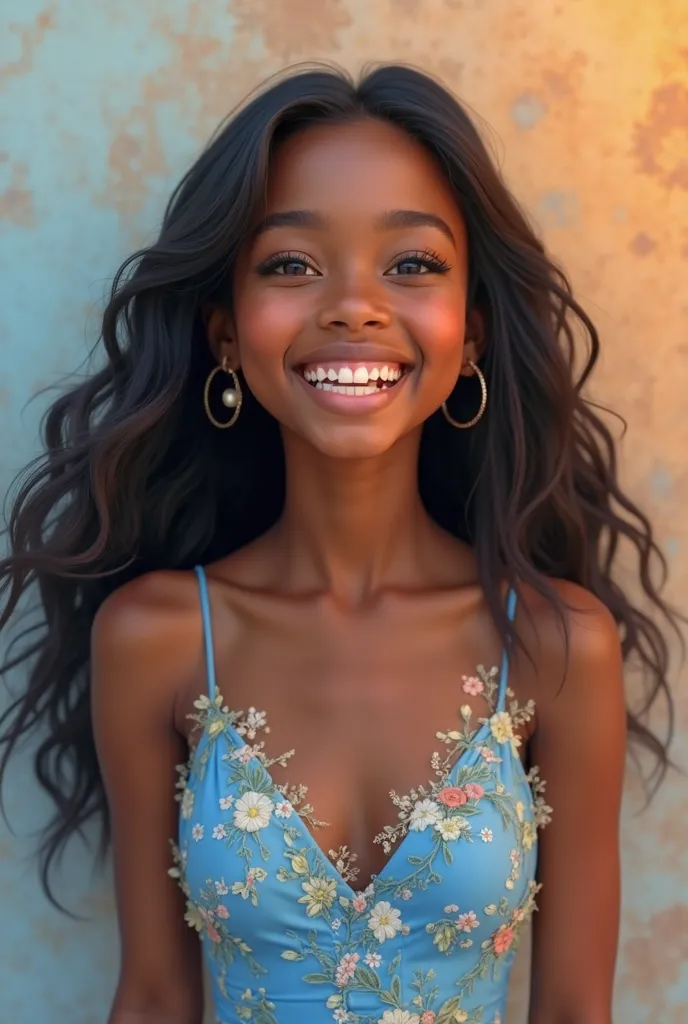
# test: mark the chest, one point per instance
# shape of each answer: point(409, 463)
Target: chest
point(348, 713)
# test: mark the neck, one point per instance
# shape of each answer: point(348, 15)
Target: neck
point(352, 527)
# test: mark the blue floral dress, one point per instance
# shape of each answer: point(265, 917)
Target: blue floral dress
point(290, 939)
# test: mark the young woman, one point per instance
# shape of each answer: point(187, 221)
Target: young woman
point(335, 523)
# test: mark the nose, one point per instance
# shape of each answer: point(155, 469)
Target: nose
point(354, 307)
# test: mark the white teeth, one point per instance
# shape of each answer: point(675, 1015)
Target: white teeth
point(360, 378)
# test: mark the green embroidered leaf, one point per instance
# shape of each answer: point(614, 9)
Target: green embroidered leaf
point(448, 855)
point(291, 954)
point(394, 964)
point(317, 979)
point(396, 989)
point(415, 860)
point(447, 1012)
point(366, 978)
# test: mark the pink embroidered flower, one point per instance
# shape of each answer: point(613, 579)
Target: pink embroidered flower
point(222, 911)
point(502, 939)
point(452, 796)
point(359, 903)
point(427, 1018)
point(472, 685)
point(473, 790)
point(489, 755)
point(346, 968)
point(466, 922)
point(213, 933)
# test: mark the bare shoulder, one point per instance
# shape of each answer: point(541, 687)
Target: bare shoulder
point(570, 647)
point(149, 633)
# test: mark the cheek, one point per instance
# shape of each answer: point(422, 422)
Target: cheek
point(438, 325)
point(267, 325)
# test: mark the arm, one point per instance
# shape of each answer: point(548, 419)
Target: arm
point(138, 655)
point(580, 745)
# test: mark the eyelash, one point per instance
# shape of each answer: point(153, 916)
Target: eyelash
point(426, 257)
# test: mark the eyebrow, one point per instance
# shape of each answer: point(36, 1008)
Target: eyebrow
point(391, 220)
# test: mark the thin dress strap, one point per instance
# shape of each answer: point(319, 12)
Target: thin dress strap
point(207, 631)
point(504, 672)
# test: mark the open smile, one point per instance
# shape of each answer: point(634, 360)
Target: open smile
point(353, 386)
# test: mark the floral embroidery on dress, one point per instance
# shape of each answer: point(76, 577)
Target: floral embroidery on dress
point(350, 956)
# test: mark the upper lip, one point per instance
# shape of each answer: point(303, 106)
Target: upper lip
point(354, 352)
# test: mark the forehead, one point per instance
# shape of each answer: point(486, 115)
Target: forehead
point(358, 168)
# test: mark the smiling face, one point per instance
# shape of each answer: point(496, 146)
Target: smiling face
point(350, 295)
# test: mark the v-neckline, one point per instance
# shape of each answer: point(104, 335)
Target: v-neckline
point(375, 880)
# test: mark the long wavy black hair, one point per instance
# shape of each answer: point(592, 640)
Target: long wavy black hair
point(134, 477)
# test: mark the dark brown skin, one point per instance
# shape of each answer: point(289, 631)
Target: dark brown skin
point(352, 621)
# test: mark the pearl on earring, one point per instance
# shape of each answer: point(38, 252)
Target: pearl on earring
point(230, 398)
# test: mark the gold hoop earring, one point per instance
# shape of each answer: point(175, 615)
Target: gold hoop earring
point(231, 397)
point(483, 402)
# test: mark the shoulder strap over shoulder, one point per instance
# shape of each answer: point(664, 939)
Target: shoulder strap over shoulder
point(511, 602)
point(207, 631)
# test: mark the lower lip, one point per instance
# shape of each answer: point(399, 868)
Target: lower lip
point(354, 405)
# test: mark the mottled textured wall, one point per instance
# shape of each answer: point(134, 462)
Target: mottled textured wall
point(102, 106)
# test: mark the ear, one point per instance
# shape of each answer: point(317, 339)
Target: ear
point(221, 335)
point(474, 342)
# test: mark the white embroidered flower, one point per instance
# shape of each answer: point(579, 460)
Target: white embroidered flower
point(399, 1017)
point(253, 721)
point(252, 811)
point(452, 828)
point(486, 835)
point(242, 754)
point(406, 894)
point(373, 960)
point(221, 887)
point(320, 895)
point(451, 909)
point(425, 814)
point(187, 804)
point(197, 833)
point(341, 1016)
point(467, 922)
point(219, 832)
point(336, 924)
point(283, 809)
point(384, 921)
point(226, 802)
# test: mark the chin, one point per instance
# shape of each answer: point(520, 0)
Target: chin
point(353, 444)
